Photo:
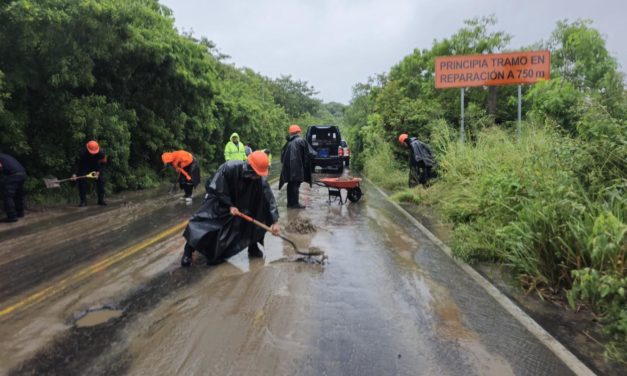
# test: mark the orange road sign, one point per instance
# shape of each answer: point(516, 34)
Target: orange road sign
point(523, 67)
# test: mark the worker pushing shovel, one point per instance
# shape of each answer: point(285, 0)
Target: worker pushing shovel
point(216, 230)
point(55, 183)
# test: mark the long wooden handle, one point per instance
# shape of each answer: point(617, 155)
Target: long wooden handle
point(265, 227)
point(251, 219)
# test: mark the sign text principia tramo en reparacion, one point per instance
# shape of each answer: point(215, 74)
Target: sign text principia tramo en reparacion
point(523, 67)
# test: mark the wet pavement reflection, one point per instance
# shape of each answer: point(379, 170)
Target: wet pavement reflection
point(387, 302)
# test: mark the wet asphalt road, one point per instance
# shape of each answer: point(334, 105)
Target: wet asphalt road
point(388, 302)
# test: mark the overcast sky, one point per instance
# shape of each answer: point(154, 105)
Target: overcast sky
point(334, 44)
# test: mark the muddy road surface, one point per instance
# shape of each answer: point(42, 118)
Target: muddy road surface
point(105, 295)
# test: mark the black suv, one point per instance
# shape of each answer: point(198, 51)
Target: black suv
point(326, 140)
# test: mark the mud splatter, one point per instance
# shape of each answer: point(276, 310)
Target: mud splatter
point(311, 260)
point(450, 323)
point(301, 226)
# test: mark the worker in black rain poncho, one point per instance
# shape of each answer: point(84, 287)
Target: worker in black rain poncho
point(421, 160)
point(295, 165)
point(215, 230)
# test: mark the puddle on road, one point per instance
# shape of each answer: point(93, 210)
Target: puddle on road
point(97, 317)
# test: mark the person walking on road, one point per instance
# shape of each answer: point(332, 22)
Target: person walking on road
point(12, 187)
point(215, 230)
point(296, 167)
point(91, 158)
point(421, 160)
point(234, 149)
point(187, 168)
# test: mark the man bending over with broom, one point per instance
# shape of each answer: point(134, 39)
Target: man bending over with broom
point(216, 230)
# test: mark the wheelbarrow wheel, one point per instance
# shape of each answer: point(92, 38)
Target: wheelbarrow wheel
point(354, 194)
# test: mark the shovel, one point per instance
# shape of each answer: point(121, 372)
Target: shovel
point(54, 182)
point(263, 226)
point(172, 191)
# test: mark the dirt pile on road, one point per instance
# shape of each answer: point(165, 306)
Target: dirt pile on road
point(301, 226)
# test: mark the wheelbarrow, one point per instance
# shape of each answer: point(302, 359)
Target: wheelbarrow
point(54, 182)
point(335, 186)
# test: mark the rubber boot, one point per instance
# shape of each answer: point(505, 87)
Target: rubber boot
point(254, 251)
point(186, 260)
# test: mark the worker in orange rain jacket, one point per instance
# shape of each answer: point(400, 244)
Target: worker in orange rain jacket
point(188, 169)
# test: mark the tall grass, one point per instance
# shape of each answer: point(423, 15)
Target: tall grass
point(383, 169)
point(547, 204)
point(377, 158)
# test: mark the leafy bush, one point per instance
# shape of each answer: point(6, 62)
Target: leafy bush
point(556, 100)
point(525, 202)
point(606, 141)
point(383, 169)
point(604, 284)
point(379, 162)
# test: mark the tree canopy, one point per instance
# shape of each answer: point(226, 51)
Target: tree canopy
point(119, 72)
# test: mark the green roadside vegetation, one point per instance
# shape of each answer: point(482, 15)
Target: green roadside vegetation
point(119, 72)
point(550, 202)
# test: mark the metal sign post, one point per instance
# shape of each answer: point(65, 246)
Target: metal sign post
point(519, 110)
point(461, 129)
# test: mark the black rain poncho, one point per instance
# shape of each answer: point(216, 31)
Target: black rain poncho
point(296, 161)
point(420, 152)
point(421, 162)
point(213, 231)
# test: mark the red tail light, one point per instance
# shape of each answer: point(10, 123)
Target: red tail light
point(340, 151)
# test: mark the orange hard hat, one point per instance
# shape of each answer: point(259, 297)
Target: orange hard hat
point(402, 138)
point(294, 129)
point(259, 161)
point(167, 157)
point(93, 147)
